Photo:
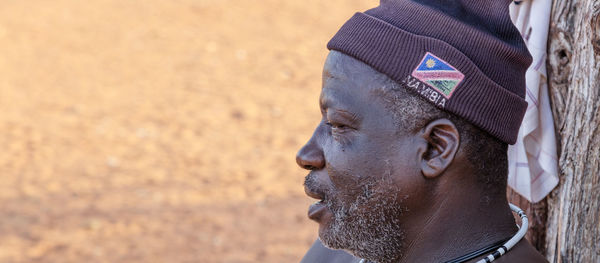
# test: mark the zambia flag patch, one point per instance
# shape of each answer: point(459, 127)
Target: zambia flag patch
point(438, 74)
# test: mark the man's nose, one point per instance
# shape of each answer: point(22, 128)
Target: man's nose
point(310, 157)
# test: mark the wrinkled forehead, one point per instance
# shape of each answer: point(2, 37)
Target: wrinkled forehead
point(339, 65)
point(341, 83)
point(349, 82)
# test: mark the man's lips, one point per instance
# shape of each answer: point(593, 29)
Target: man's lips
point(316, 210)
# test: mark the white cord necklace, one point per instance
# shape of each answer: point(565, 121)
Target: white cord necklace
point(510, 243)
point(514, 240)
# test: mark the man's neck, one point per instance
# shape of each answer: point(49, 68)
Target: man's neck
point(450, 231)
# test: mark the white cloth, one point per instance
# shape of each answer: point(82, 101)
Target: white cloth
point(532, 161)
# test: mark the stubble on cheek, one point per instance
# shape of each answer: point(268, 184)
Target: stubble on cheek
point(367, 225)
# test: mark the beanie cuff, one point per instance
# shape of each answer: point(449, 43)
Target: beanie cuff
point(399, 54)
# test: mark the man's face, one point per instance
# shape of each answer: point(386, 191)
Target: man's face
point(363, 170)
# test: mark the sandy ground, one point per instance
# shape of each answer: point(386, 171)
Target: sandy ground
point(159, 131)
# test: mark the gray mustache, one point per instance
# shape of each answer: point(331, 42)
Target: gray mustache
point(313, 185)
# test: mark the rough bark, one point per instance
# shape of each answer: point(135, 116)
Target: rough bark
point(573, 227)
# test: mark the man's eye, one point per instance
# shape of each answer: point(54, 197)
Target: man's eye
point(339, 132)
point(336, 125)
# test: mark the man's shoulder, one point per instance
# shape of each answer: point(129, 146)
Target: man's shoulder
point(320, 254)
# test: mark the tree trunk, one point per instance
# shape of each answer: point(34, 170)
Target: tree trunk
point(573, 226)
point(566, 225)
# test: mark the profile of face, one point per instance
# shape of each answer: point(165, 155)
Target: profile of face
point(363, 170)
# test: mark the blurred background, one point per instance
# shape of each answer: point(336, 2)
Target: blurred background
point(159, 131)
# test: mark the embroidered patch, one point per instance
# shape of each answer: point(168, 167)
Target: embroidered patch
point(438, 74)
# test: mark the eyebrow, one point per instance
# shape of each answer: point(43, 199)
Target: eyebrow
point(348, 115)
point(329, 99)
point(327, 103)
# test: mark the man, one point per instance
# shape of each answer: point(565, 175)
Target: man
point(419, 102)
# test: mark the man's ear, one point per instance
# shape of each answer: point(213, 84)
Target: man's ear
point(443, 140)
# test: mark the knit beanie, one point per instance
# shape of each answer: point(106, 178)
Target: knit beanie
point(464, 56)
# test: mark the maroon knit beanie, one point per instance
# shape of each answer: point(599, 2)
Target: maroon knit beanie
point(464, 56)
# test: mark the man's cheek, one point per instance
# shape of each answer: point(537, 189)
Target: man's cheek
point(343, 175)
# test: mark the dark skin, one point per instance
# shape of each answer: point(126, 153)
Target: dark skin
point(416, 189)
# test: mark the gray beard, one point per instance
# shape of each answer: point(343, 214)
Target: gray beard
point(375, 235)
